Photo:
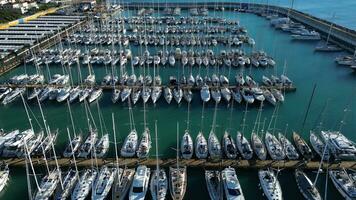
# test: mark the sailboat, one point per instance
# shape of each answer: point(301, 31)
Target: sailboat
point(69, 181)
point(103, 183)
point(319, 147)
point(102, 146)
point(158, 183)
point(306, 187)
point(48, 185)
point(302, 146)
point(274, 147)
point(4, 175)
point(86, 148)
point(241, 142)
point(187, 148)
point(201, 146)
point(214, 184)
point(270, 184)
point(144, 146)
point(229, 146)
point(288, 147)
point(177, 177)
point(84, 184)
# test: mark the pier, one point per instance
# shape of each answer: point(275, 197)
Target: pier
point(191, 163)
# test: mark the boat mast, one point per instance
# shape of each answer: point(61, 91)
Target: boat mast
point(157, 165)
point(116, 155)
point(177, 145)
point(71, 146)
point(71, 118)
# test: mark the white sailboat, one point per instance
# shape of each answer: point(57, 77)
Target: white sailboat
point(103, 183)
point(270, 185)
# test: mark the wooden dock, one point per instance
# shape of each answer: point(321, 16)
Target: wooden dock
point(191, 163)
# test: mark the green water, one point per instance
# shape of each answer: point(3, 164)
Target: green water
point(304, 66)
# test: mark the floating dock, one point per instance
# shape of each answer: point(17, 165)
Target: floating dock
point(192, 163)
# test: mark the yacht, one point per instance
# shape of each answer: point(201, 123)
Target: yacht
point(34, 94)
point(87, 147)
point(188, 95)
point(102, 146)
point(205, 93)
point(201, 146)
point(139, 185)
point(11, 146)
point(340, 146)
point(13, 95)
point(319, 146)
point(168, 94)
point(214, 184)
point(4, 176)
point(156, 93)
point(289, 149)
point(177, 94)
point(85, 94)
point(159, 185)
point(187, 148)
point(226, 94)
point(302, 146)
point(46, 145)
point(63, 94)
point(232, 185)
point(270, 184)
point(306, 186)
point(215, 93)
point(258, 94)
point(144, 146)
point(48, 185)
point(135, 95)
point(125, 93)
point(343, 183)
point(258, 146)
point(229, 146)
point(103, 183)
point(274, 147)
point(75, 144)
point(248, 95)
point(84, 184)
point(145, 94)
point(115, 95)
point(122, 184)
point(129, 146)
point(269, 97)
point(277, 95)
point(243, 146)
point(74, 94)
point(177, 182)
point(69, 181)
point(95, 94)
point(214, 146)
point(236, 95)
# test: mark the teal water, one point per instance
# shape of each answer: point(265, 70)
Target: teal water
point(304, 66)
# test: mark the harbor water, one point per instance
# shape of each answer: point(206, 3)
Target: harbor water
point(335, 86)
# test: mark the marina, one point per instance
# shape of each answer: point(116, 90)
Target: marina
point(188, 100)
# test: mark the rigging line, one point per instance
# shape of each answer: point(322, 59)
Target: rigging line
point(71, 118)
point(99, 116)
point(308, 108)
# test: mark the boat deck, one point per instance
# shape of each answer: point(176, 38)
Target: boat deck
point(193, 163)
